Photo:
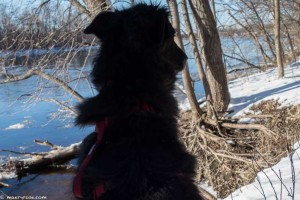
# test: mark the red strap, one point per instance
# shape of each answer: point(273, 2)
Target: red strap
point(99, 190)
point(144, 106)
point(100, 130)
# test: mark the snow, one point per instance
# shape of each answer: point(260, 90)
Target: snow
point(184, 105)
point(18, 125)
point(282, 179)
point(277, 182)
point(15, 126)
point(8, 175)
point(265, 86)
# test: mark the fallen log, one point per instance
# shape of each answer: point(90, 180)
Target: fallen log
point(37, 162)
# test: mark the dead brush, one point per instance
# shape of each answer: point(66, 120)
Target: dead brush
point(232, 159)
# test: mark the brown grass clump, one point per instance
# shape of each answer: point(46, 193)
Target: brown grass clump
point(231, 158)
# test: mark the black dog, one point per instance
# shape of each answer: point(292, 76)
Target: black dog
point(140, 156)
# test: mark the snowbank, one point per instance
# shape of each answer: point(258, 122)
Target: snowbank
point(281, 181)
point(265, 86)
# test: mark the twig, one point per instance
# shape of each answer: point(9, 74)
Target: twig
point(262, 190)
point(253, 116)
point(60, 83)
point(2, 184)
point(23, 153)
point(270, 184)
point(56, 102)
point(289, 194)
point(243, 126)
point(293, 176)
point(46, 143)
point(280, 185)
point(209, 135)
point(206, 194)
point(244, 61)
point(215, 118)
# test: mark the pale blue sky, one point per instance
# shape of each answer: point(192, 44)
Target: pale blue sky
point(16, 5)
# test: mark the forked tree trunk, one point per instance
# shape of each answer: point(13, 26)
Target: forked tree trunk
point(277, 38)
point(196, 52)
point(185, 73)
point(212, 54)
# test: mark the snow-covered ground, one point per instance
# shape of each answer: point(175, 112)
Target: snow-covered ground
point(282, 181)
point(264, 86)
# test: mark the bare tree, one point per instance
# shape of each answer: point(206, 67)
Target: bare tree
point(196, 52)
point(186, 75)
point(277, 38)
point(211, 54)
point(45, 41)
point(256, 20)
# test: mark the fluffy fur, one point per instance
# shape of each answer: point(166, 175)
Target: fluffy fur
point(140, 156)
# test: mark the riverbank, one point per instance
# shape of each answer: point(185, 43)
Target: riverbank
point(251, 157)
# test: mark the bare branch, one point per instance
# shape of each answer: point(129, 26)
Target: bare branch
point(60, 83)
point(81, 8)
point(46, 143)
point(13, 78)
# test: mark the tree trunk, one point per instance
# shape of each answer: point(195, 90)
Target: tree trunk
point(193, 42)
point(212, 54)
point(185, 73)
point(214, 9)
point(277, 38)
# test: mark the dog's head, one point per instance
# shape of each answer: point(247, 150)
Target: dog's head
point(140, 38)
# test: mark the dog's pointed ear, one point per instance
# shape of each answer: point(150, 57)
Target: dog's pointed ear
point(101, 25)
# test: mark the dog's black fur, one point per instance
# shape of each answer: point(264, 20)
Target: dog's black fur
point(140, 156)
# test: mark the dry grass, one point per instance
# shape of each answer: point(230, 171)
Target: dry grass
point(231, 159)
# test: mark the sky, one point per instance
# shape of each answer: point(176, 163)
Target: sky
point(223, 17)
